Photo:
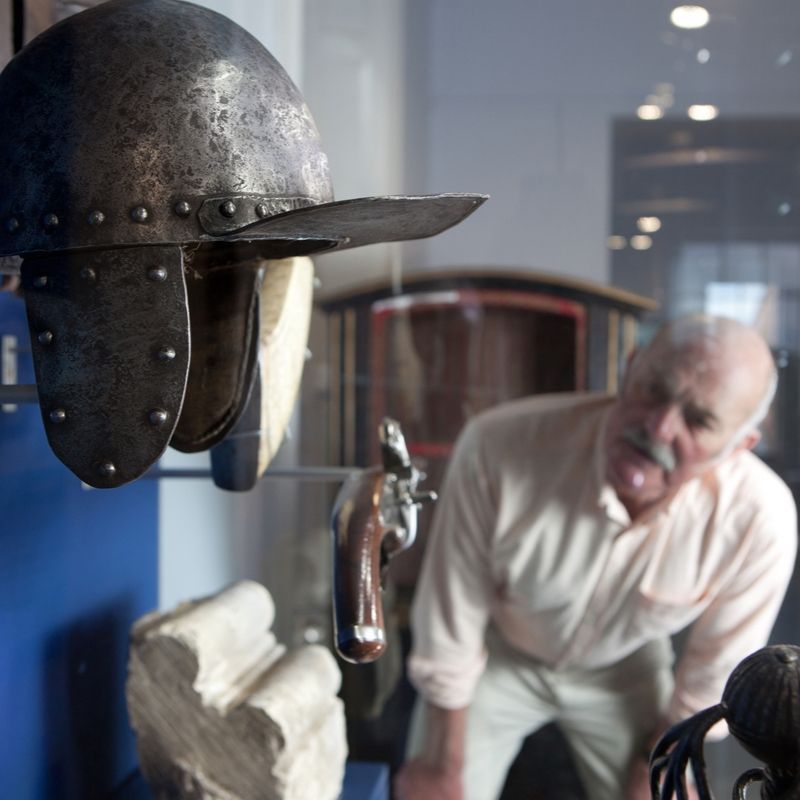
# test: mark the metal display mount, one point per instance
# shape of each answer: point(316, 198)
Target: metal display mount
point(761, 705)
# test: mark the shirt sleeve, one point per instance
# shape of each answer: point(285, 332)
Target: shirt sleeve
point(451, 603)
point(739, 619)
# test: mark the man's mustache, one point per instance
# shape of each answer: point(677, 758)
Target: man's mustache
point(656, 451)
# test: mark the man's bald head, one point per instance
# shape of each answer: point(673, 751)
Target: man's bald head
point(734, 353)
point(693, 397)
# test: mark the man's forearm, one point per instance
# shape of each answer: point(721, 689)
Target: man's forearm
point(445, 732)
point(435, 772)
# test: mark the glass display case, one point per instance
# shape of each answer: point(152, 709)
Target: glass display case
point(637, 168)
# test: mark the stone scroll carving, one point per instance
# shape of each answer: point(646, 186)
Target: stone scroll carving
point(222, 711)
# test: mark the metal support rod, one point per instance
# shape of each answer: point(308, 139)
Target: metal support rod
point(19, 393)
point(332, 474)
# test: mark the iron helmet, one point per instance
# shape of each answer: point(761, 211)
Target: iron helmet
point(152, 150)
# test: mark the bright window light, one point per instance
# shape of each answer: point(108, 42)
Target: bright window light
point(689, 17)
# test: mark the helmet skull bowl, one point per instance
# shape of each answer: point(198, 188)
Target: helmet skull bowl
point(154, 155)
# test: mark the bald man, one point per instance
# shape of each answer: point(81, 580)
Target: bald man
point(574, 536)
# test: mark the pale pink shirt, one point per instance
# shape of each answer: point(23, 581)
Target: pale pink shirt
point(528, 534)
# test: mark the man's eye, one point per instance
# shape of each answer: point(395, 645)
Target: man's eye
point(656, 391)
point(698, 420)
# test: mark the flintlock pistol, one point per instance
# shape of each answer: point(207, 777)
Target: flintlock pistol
point(374, 518)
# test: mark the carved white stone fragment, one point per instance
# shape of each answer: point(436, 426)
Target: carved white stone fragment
point(222, 711)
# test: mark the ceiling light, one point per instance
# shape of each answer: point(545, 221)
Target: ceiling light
point(649, 111)
point(641, 242)
point(648, 224)
point(702, 112)
point(703, 55)
point(784, 208)
point(784, 58)
point(616, 242)
point(689, 17)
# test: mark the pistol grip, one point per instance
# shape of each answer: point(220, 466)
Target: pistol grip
point(357, 534)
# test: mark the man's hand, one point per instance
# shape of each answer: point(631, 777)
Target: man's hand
point(418, 779)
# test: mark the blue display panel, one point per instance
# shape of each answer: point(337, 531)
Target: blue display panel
point(77, 566)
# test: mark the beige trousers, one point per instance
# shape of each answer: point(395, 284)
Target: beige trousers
point(607, 716)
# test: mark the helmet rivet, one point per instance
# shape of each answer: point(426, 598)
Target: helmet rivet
point(106, 469)
point(228, 208)
point(139, 214)
point(50, 221)
point(88, 274)
point(157, 416)
point(58, 415)
point(157, 274)
point(166, 353)
point(262, 210)
point(12, 224)
point(40, 281)
point(96, 218)
point(45, 337)
point(182, 208)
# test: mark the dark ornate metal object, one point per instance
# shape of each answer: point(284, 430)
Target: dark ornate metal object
point(162, 130)
point(374, 518)
point(761, 704)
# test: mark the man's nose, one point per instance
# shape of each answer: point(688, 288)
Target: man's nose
point(664, 421)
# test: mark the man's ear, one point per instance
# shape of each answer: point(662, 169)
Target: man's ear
point(749, 441)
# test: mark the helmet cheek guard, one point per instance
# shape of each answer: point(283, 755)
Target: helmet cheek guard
point(284, 311)
point(223, 314)
point(111, 385)
point(154, 156)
